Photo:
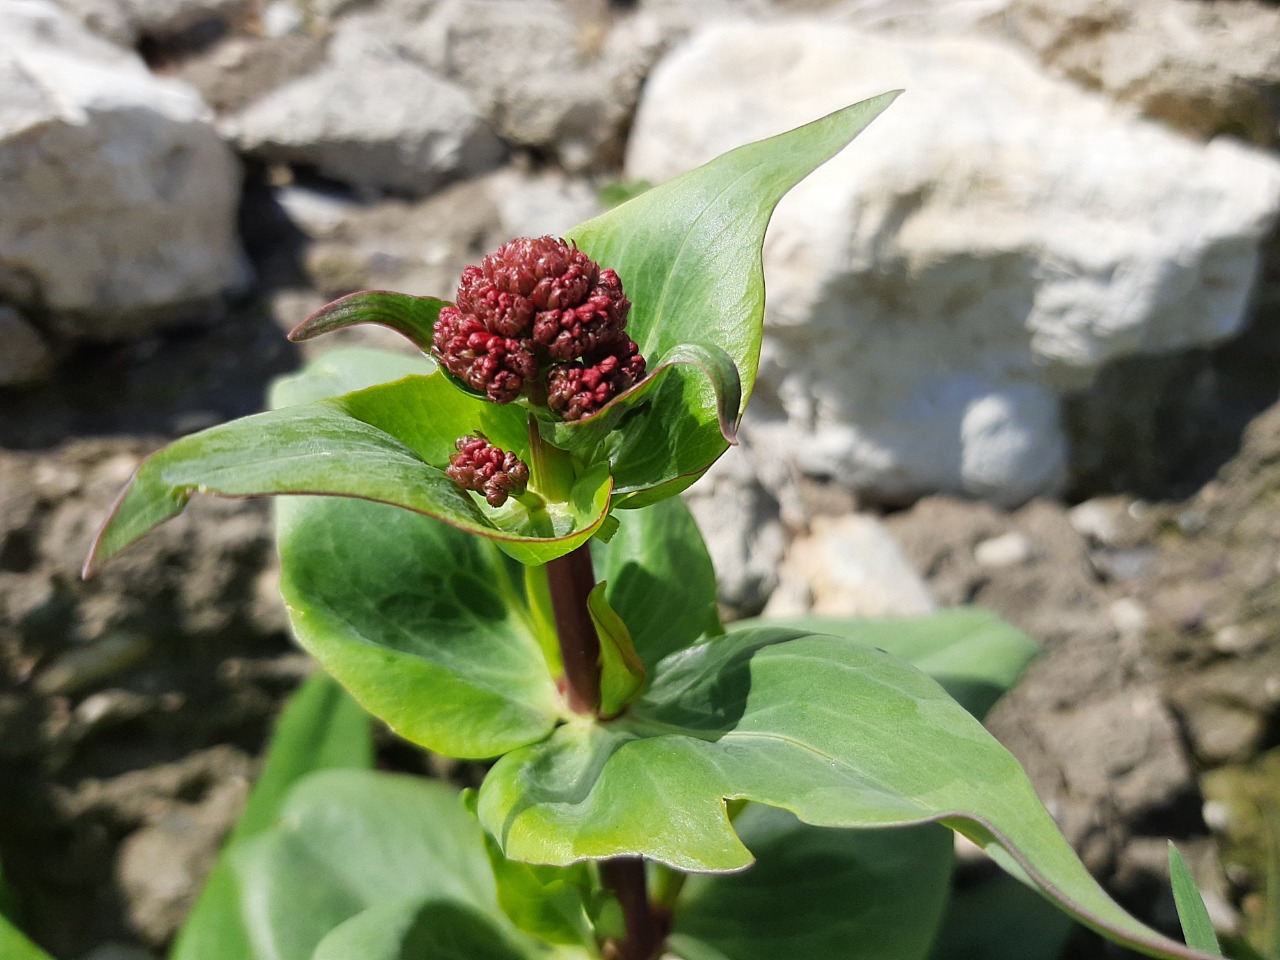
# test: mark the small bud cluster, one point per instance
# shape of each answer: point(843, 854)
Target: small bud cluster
point(480, 466)
point(540, 315)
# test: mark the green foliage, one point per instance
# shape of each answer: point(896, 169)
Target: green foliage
point(1196, 925)
point(841, 748)
point(322, 729)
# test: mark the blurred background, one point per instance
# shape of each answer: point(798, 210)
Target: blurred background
point(1022, 350)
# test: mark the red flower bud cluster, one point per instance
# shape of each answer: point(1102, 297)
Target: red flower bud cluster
point(480, 466)
point(540, 315)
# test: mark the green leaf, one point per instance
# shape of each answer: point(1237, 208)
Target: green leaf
point(974, 654)
point(547, 902)
point(421, 930)
point(841, 734)
point(388, 443)
point(621, 672)
point(346, 371)
point(1197, 928)
point(15, 946)
point(1001, 919)
point(660, 579)
point(13, 943)
point(688, 253)
point(412, 317)
point(348, 840)
point(819, 892)
point(321, 729)
point(426, 626)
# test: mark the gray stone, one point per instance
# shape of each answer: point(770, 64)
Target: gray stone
point(25, 357)
point(1204, 68)
point(379, 124)
point(545, 78)
point(990, 243)
point(118, 199)
point(848, 566)
point(740, 523)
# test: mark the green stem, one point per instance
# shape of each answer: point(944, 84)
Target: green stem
point(551, 469)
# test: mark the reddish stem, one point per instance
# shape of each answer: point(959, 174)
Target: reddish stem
point(646, 930)
point(571, 579)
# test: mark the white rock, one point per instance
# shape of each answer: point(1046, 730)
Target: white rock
point(117, 199)
point(744, 535)
point(984, 248)
point(24, 355)
point(1007, 550)
point(545, 78)
point(376, 123)
point(848, 566)
point(1203, 68)
point(547, 203)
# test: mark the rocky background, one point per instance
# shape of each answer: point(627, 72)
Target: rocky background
point(1022, 351)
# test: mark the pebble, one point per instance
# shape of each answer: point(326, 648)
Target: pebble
point(1007, 550)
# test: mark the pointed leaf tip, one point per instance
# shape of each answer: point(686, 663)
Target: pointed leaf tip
point(412, 317)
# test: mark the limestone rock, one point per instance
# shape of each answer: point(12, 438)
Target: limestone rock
point(545, 79)
point(127, 21)
point(24, 355)
point(1204, 68)
point(378, 123)
point(740, 522)
point(848, 566)
point(118, 199)
point(984, 248)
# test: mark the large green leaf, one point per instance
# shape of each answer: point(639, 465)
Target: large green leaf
point(15, 946)
point(660, 579)
point(346, 371)
point(418, 929)
point(840, 733)
point(321, 729)
point(1000, 918)
point(388, 443)
point(348, 840)
point(426, 626)
point(974, 654)
point(688, 253)
point(819, 892)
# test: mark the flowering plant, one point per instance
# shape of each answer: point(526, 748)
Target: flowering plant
point(469, 562)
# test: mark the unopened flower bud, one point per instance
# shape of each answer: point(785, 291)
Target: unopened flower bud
point(577, 390)
point(480, 466)
point(534, 308)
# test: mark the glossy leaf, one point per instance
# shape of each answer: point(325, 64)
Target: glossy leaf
point(660, 579)
point(839, 733)
point(549, 903)
point(412, 317)
point(621, 671)
point(426, 626)
point(688, 253)
point(389, 443)
point(346, 371)
point(321, 729)
point(974, 654)
point(421, 930)
point(348, 840)
point(1197, 928)
point(819, 892)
